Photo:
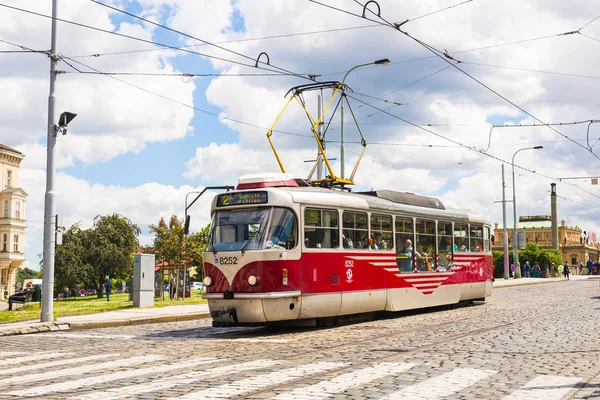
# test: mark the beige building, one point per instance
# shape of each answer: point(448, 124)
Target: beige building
point(538, 228)
point(12, 219)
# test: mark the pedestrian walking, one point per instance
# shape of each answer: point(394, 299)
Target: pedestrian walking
point(526, 270)
point(536, 270)
point(552, 270)
point(512, 270)
point(566, 271)
point(560, 270)
point(590, 266)
point(580, 265)
point(108, 288)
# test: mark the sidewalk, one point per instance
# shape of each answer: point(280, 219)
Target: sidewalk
point(133, 316)
point(138, 316)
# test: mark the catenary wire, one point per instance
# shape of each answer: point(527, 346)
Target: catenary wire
point(471, 148)
point(174, 74)
point(236, 40)
point(179, 102)
point(148, 41)
point(588, 23)
point(193, 37)
point(449, 59)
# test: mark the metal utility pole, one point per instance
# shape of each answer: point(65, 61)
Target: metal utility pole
point(320, 134)
point(504, 232)
point(49, 205)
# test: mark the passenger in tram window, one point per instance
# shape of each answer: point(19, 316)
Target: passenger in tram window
point(405, 258)
point(463, 248)
point(379, 242)
point(346, 242)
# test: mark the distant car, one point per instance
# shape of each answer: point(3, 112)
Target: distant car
point(196, 286)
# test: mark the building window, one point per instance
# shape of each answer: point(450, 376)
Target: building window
point(16, 243)
point(4, 242)
point(18, 210)
point(6, 209)
point(9, 178)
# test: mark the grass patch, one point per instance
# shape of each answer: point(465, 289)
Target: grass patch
point(89, 305)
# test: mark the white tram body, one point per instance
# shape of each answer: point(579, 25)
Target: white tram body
point(279, 251)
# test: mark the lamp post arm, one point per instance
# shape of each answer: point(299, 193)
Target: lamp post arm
point(353, 68)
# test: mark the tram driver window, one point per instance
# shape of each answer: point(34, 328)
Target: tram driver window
point(425, 245)
point(321, 229)
point(381, 232)
point(283, 230)
point(461, 239)
point(404, 245)
point(476, 237)
point(355, 233)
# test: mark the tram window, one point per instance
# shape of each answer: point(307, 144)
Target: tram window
point(476, 237)
point(445, 246)
point(355, 232)
point(381, 232)
point(321, 229)
point(425, 246)
point(486, 238)
point(461, 239)
point(404, 243)
point(283, 230)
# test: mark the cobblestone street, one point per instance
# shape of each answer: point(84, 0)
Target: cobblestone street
point(528, 342)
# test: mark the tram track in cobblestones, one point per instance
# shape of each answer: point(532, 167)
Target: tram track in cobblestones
point(405, 353)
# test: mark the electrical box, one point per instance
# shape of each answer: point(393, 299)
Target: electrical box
point(143, 280)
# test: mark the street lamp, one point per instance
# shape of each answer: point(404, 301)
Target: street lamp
point(384, 61)
point(515, 235)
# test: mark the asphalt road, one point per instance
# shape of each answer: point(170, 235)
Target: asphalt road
point(528, 342)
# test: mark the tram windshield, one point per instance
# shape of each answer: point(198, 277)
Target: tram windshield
point(254, 229)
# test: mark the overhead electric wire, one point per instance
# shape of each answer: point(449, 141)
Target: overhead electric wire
point(588, 23)
point(196, 38)
point(174, 74)
point(179, 102)
point(449, 59)
point(470, 148)
point(147, 41)
point(438, 11)
point(235, 40)
point(530, 70)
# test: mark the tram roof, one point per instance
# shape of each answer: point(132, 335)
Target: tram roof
point(383, 201)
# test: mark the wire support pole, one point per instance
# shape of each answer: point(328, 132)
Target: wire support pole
point(47, 314)
point(504, 230)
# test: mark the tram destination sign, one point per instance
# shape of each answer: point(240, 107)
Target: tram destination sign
point(237, 199)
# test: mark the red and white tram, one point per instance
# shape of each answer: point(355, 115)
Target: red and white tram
point(282, 250)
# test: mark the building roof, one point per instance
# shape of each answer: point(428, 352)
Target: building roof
point(4, 147)
point(536, 225)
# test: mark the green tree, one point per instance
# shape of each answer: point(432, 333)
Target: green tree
point(175, 248)
point(27, 273)
point(69, 265)
point(87, 256)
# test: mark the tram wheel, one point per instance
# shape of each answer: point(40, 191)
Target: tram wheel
point(328, 322)
point(370, 316)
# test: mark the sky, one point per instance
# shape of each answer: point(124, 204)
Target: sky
point(164, 112)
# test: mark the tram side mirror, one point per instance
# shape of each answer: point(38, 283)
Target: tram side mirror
point(186, 226)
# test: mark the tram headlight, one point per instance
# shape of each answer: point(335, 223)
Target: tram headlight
point(207, 281)
point(253, 280)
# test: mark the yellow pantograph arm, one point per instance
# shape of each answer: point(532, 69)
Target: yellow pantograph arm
point(314, 129)
point(270, 132)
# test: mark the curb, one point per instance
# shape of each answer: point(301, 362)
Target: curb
point(136, 321)
point(42, 328)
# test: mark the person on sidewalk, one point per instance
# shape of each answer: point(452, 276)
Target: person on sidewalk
point(512, 270)
point(20, 296)
point(108, 288)
point(566, 271)
point(535, 270)
point(526, 270)
point(560, 269)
